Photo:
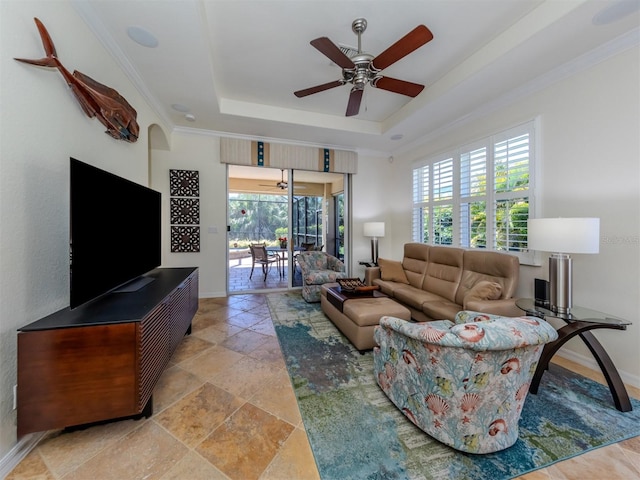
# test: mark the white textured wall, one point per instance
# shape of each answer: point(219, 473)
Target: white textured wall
point(41, 127)
point(201, 153)
point(373, 199)
point(590, 167)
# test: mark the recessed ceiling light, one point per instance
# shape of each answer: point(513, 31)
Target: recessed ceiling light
point(397, 136)
point(178, 107)
point(616, 11)
point(142, 37)
point(190, 117)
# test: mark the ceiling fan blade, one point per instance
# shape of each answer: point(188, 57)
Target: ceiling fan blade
point(399, 86)
point(407, 44)
point(331, 50)
point(353, 107)
point(318, 88)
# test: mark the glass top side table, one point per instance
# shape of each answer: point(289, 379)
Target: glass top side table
point(578, 322)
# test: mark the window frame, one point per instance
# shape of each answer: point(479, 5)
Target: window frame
point(425, 203)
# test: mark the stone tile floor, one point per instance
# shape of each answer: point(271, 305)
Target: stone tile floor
point(239, 281)
point(225, 409)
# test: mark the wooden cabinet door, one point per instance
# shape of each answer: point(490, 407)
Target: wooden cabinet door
point(73, 376)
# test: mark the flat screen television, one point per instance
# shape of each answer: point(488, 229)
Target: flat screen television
point(114, 234)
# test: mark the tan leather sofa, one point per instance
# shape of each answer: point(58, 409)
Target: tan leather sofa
point(440, 281)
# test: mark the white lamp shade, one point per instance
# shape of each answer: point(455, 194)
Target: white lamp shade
point(564, 235)
point(374, 229)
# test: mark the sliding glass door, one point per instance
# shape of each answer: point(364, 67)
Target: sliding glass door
point(286, 211)
point(339, 225)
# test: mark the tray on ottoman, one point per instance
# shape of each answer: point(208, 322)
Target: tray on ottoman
point(338, 295)
point(356, 286)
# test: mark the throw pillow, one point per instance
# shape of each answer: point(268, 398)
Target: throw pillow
point(392, 270)
point(484, 290)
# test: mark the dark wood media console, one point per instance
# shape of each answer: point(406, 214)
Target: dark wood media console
point(102, 360)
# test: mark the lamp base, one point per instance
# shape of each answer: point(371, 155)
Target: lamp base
point(560, 286)
point(374, 249)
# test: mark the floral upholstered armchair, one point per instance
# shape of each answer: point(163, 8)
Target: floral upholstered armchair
point(463, 383)
point(317, 269)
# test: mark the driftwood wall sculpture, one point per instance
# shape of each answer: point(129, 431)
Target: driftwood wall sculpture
point(97, 100)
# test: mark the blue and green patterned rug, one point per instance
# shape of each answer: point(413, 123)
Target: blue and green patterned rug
point(355, 432)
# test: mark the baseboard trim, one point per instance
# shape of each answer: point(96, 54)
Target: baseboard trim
point(590, 362)
point(19, 452)
point(212, 294)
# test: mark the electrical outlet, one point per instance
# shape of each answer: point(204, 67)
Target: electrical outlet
point(15, 397)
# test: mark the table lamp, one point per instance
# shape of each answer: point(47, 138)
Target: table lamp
point(374, 230)
point(563, 236)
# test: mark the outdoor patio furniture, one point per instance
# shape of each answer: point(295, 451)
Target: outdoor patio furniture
point(260, 256)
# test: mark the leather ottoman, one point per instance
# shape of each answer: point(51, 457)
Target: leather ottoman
point(356, 317)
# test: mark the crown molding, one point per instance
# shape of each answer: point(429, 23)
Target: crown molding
point(88, 14)
point(579, 64)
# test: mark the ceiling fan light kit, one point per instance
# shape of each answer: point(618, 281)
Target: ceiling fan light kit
point(282, 184)
point(362, 68)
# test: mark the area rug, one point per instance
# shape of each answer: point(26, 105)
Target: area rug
point(355, 432)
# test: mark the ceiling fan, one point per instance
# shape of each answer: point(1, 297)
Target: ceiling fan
point(361, 68)
point(282, 185)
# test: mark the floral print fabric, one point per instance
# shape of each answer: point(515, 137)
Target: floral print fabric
point(463, 383)
point(317, 269)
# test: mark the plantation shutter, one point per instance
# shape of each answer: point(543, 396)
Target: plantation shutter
point(443, 202)
point(478, 196)
point(511, 185)
point(473, 197)
point(443, 180)
point(420, 231)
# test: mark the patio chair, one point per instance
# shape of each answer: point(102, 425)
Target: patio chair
point(264, 258)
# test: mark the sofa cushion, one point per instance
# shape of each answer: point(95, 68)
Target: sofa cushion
point(392, 270)
point(444, 271)
point(414, 297)
point(498, 267)
point(388, 288)
point(414, 262)
point(440, 309)
point(484, 290)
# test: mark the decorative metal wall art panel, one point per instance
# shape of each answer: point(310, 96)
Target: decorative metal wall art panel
point(185, 211)
point(184, 183)
point(184, 190)
point(185, 239)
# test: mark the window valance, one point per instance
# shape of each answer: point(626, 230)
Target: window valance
point(238, 151)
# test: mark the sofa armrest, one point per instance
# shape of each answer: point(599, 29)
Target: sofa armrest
point(505, 307)
point(370, 274)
